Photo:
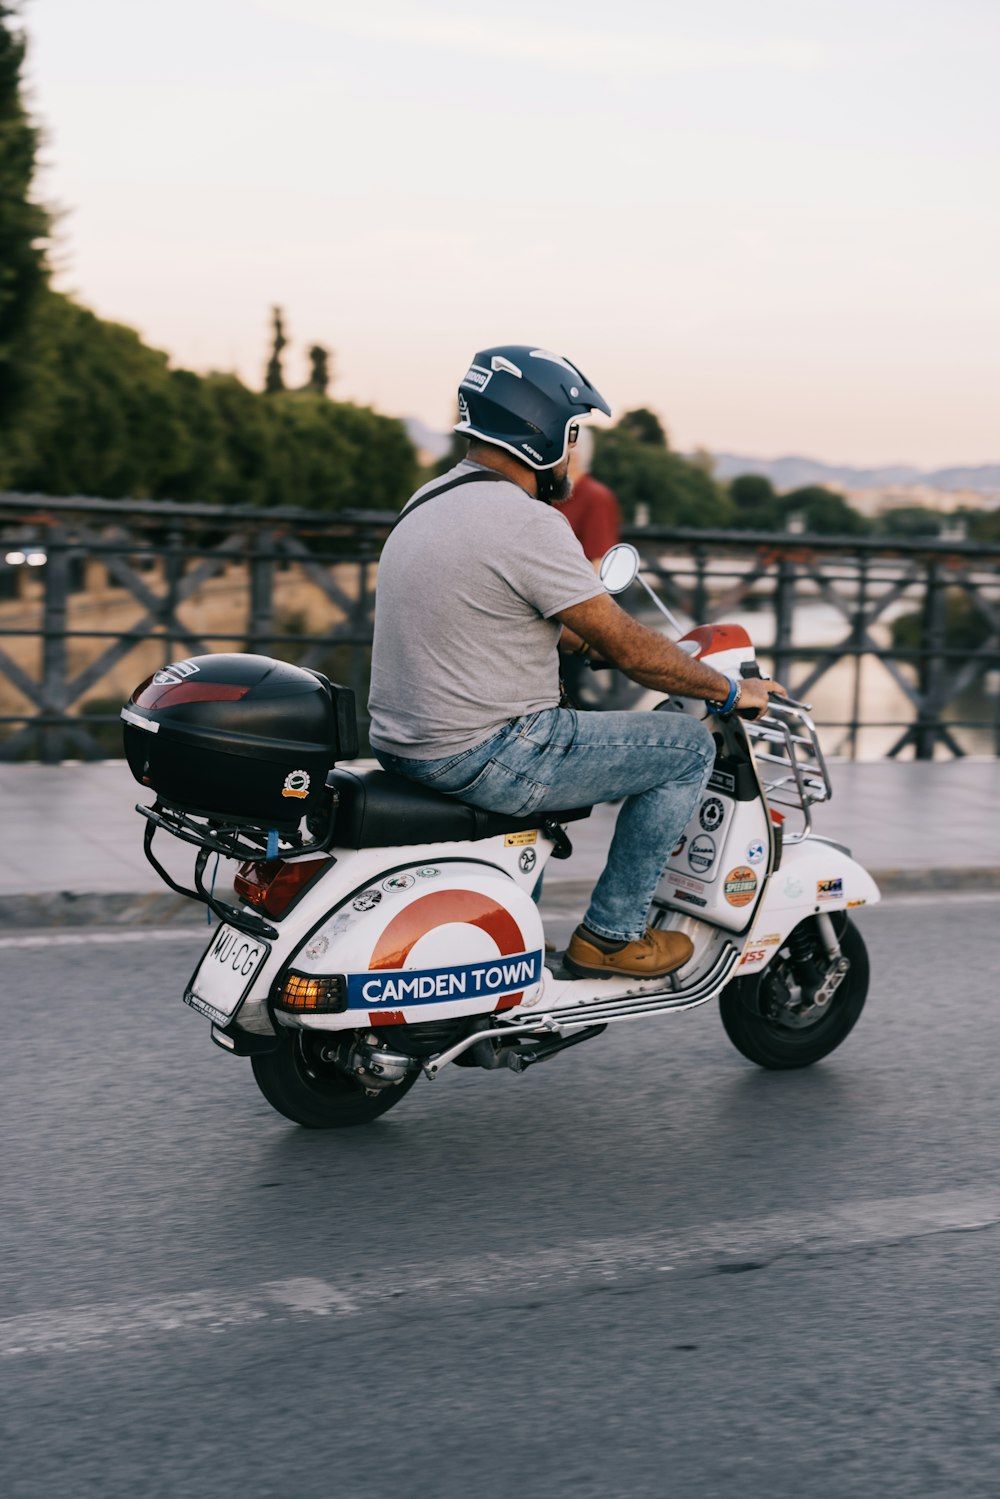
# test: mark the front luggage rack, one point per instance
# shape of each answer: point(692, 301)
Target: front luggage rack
point(790, 761)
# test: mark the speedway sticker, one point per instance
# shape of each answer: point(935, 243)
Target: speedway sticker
point(740, 886)
point(427, 986)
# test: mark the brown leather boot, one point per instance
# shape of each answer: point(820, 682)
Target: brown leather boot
point(652, 956)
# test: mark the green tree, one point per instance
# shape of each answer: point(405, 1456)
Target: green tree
point(650, 480)
point(756, 503)
point(100, 419)
point(644, 426)
point(908, 521)
point(319, 370)
point(982, 525)
point(824, 511)
point(109, 417)
point(24, 228)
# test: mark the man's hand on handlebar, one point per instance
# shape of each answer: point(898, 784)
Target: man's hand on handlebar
point(755, 693)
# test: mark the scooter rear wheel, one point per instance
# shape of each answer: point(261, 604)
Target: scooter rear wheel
point(300, 1083)
point(753, 1024)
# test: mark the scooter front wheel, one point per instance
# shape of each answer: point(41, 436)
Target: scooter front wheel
point(300, 1082)
point(760, 1023)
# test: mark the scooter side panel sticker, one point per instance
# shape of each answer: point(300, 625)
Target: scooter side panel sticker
point(712, 813)
point(830, 889)
point(517, 840)
point(740, 886)
point(439, 908)
point(701, 853)
point(409, 987)
point(367, 900)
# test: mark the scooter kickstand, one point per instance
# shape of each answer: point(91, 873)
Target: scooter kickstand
point(519, 1061)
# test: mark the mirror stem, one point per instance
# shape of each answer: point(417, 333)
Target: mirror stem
point(661, 606)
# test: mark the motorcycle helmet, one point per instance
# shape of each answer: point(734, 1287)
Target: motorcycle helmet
point(525, 400)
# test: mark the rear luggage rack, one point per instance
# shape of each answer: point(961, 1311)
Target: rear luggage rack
point(245, 842)
point(790, 762)
point(236, 838)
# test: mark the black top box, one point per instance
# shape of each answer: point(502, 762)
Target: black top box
point(239, 738)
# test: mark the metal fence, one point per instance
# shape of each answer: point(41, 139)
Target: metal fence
point(96, 594)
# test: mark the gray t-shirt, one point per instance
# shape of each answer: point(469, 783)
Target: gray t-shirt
point(464, 634)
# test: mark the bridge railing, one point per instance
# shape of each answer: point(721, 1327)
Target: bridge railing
point(119, 588)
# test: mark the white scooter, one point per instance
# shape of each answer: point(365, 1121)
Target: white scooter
point(384, 931)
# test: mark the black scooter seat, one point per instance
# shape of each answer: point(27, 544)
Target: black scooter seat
point(379, 810)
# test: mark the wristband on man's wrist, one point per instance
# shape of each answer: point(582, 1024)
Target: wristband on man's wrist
point(583, 649)
point(732, 698)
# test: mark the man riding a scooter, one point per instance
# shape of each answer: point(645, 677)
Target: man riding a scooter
point(480, 585)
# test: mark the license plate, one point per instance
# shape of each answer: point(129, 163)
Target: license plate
point(225, 973)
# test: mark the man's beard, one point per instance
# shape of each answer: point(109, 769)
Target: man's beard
point(553, 485)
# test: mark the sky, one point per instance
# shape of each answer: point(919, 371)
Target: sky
point(776, 224)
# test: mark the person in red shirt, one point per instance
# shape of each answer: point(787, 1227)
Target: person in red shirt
point(591, 509)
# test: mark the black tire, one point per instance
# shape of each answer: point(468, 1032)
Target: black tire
point(769, 1043)
point(312, 1092)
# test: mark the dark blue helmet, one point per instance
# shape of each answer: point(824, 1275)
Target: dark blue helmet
point(525, 400)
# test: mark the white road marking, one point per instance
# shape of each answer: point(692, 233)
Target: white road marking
point(749, 1244)
point(105, 939)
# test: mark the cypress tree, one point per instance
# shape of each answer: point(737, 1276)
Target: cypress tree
point(274, 380)
point(24, 225)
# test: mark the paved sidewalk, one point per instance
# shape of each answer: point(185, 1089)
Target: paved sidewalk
point(72, 843)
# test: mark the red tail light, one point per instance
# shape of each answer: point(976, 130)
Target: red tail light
point(272, 887)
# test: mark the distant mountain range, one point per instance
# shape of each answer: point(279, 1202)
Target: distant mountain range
point(792, 472)
point(434, 444)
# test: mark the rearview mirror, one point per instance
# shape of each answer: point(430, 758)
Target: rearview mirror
point(619, 567)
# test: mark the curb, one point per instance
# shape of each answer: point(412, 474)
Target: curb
point(62, 909)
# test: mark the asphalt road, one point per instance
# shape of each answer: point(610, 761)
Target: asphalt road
point(645, 1268)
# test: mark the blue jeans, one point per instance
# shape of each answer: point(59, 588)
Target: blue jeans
point(558, 759)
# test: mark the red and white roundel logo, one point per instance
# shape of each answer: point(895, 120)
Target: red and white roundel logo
point(448, 927)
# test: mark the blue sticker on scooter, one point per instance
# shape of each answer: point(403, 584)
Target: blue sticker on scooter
point(755, 852)
point(434, 986)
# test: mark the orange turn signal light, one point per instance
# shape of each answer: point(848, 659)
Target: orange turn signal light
point(312, 993)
